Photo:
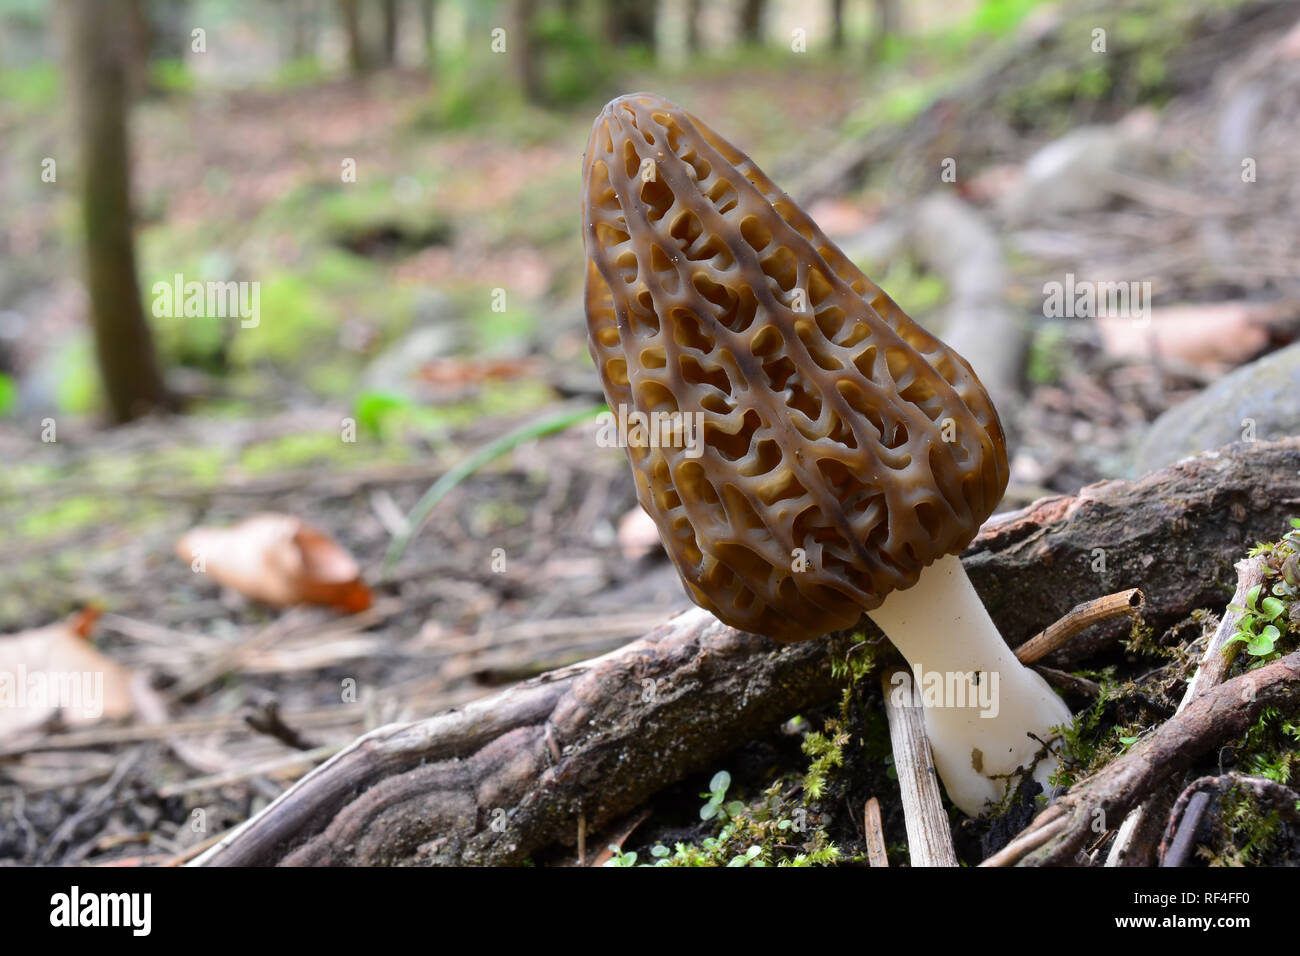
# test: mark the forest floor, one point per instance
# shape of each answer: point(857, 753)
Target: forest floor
point(247, 186)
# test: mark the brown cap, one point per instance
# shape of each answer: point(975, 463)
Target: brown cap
point(844, 448)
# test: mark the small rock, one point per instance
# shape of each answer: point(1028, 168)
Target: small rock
point(1214, 335)
point(1262, 397)
point(638, 536)
point(1069, 175)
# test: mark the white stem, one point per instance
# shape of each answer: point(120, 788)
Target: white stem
point(981, 704)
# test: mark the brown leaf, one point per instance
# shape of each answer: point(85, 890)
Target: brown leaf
point(638, 535)
point(56, 670)
point(1212, 334)
point(470, 371)
point(278, 559)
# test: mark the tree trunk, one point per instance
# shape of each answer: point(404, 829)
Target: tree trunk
point(428, 20)
point(750, 26)
point(388, 35)
point(98, 46)
point(889, 23)
point(631, 23)
point(693, 43)
point(505, 776)
point(837, 25)
point(350, 17)
point(301, 28)
point(522, 47)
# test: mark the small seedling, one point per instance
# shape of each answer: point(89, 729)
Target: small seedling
point(716, 796)
point(1256, 629)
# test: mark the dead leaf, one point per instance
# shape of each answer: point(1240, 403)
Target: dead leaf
point(842, 217)
point(1216, 334)
point(278, 559)
point(55, 670)
point(459, 372)
point(638, 535)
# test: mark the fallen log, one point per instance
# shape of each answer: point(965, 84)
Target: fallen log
point(511, 774)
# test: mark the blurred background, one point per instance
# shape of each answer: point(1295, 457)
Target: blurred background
point(390, 191)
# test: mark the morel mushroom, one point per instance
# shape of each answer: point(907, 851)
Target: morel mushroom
point(844, 455)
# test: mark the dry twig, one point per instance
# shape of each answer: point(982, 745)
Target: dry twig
point(1211, 719)
point(1081, 618)
point(929, 838)
point(874, 832)
point(1128, 849)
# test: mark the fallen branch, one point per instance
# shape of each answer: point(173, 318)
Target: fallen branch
point(1185, 817)
point(1083, 616)
point(1058, 834)
point(511, 774)
point(1135, 843)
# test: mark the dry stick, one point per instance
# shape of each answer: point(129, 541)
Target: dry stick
point(1185, 836)
point(189, 853)
point(1068, 683)
point(81, 740)
point(929, 839)
point(1220, 714)
point(266, 718)
point(1216, 662)
point(1212, 670)
point(1047, 825)
point(104, 795)
point(302, 760)
point(875, 835)
point(1130, 602)
point(1271, 795)
point(231, 658)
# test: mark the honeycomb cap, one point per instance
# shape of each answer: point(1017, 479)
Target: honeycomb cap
point(838, 449)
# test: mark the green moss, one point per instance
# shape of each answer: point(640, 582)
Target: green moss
point(916, 291)
point(295, 451)
point(1089, 741)
point(66, 514)
point(171, 76)
point(32, 87)
point(298, 74)
point(78, 389)
point(197, 463)
point(1250, 833)
point(380, 209)
point(1048, 354)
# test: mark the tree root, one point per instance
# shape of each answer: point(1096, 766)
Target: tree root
point(1097, 803)
point(515, 773)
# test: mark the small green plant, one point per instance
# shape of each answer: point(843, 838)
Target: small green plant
point(859, 661)
point(716, 797)
point(1082, 739)
point(1257, 629)
point(8, 394)
point(619, 858)
point(827, 750)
